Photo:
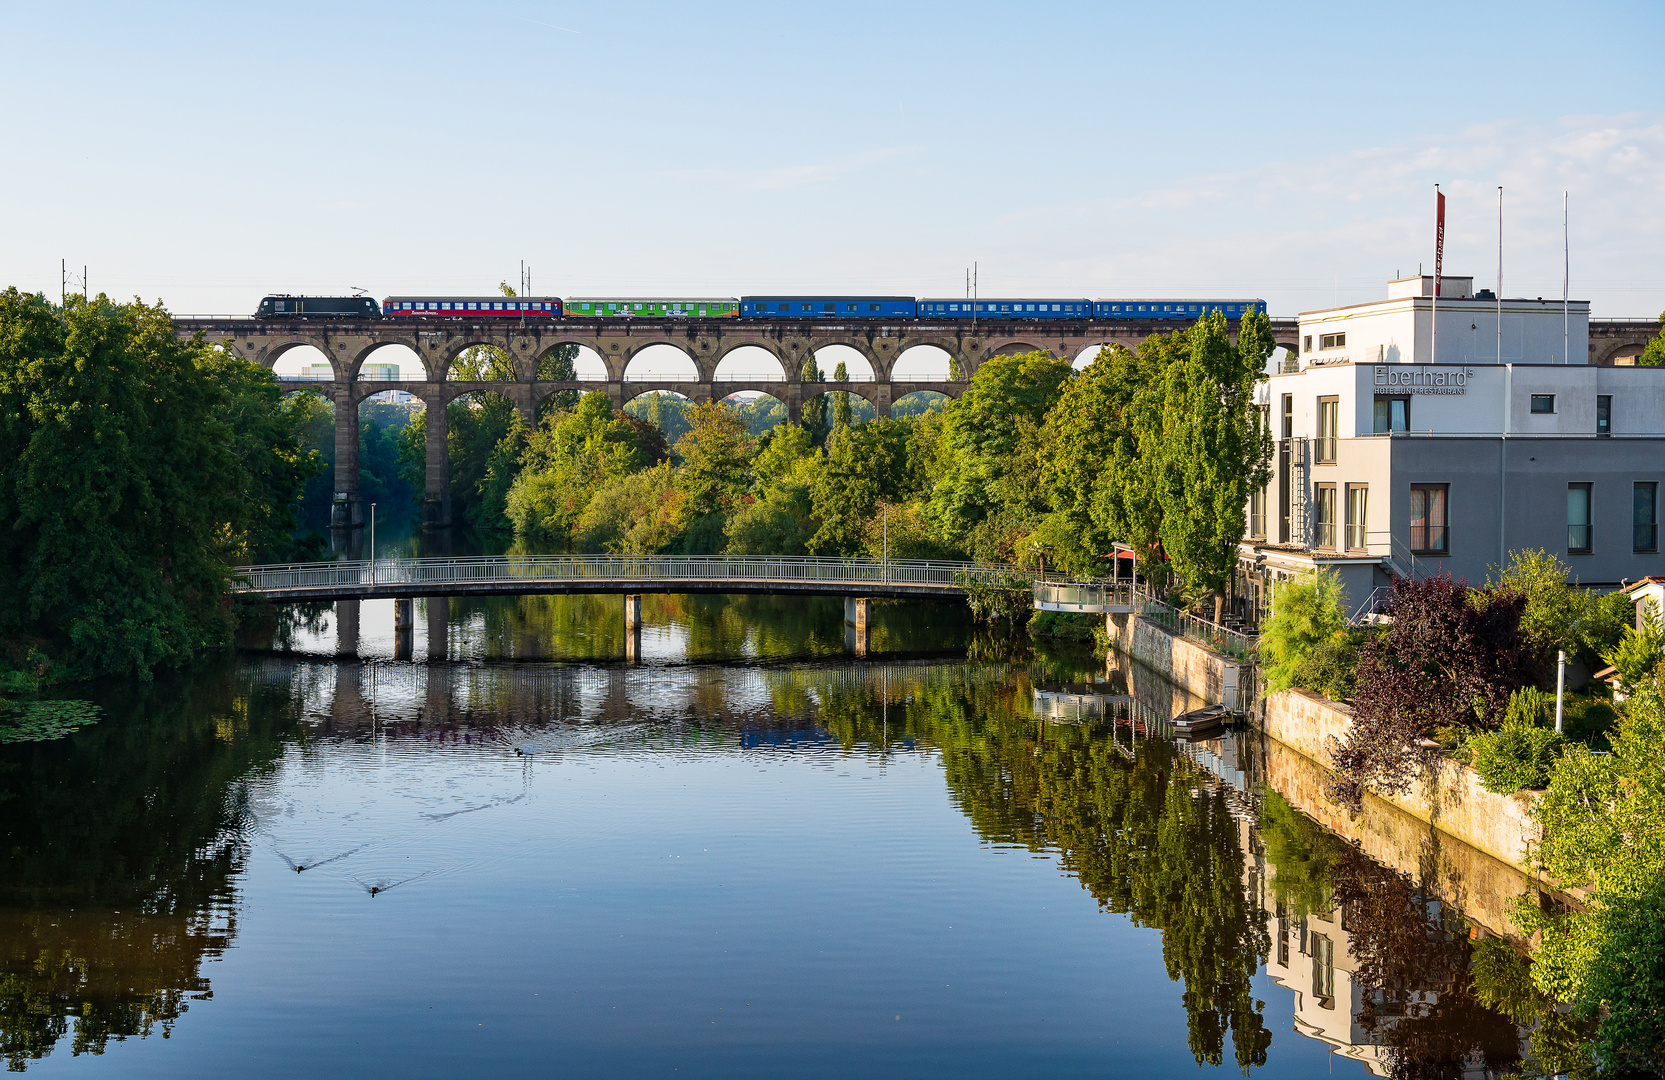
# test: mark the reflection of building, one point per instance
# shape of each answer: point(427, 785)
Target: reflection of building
point(1316, 955)
point(1311, 956)
point(1070, 703)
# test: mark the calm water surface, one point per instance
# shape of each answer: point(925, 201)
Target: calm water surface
point(751, 855)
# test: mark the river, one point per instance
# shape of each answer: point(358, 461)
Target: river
point(748, 854)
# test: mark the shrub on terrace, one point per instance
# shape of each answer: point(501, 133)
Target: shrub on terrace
point(1520, 754)
point(1306, 642)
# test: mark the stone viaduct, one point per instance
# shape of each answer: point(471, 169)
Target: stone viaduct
point(349, 343)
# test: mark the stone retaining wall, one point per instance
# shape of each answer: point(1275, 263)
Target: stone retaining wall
point(1482, 887)
point(1189, 665)
point(1453, 800)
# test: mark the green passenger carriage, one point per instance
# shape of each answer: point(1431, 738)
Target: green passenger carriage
point(652, 307)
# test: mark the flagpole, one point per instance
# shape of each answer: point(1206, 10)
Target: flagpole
point(1566, 281)
point(1500, 273)
point(1439, 250)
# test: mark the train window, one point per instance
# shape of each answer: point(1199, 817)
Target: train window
point(872, 307)
point(849, 307)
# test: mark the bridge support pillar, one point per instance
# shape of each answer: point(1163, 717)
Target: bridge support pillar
point(633, 627)
point(439, 626)
point(404, 628)
point(346, 512)
point(436, 485)
point(346, 628)
point(856, 612)
point(883, 395)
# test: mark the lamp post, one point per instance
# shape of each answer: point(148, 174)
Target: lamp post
point(372, 543)
point(884, 550)
point(1560, 686)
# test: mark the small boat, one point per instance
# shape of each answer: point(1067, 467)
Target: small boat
point(1207, 721)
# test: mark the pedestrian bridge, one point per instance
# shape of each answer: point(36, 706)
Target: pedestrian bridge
point(512, 575)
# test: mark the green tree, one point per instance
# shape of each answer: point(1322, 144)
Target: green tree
point(1604, 832)
point(714, 477)
point(665, 411)
point(1214, 450)
point(989, 497)
point(841, 399)
point(1086, 434)
point(1654, 354)
point(864, 465)
point(632, 514)
point(126, 489)
point(569, 458)
point(1637, 656)
point(815, 408)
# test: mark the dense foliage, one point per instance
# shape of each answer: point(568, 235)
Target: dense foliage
point(135, 470)
point(1521, 753)
point(1604, 832)
point(1449, 661)
point(1298, 643)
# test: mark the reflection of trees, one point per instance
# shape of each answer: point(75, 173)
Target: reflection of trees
point(119, 849)
point(717, 626)
point(1147, 837)
point(1413, 957)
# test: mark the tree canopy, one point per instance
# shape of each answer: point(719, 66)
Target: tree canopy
point(135, 470)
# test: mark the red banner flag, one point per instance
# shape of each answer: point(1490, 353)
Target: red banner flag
point(1439, 237)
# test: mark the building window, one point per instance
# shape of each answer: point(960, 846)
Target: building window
point(1604, 415)
point(1578, 519)
point(1324, 525)
point(1358, 496)
point(1646, 516)
point(1288, 416)
point(1257, 513)
point(1306, 343)
point(1329, 411)
point(1332, 341)
point(1543, 403)
point(1429, 535)
point(1323, 971)
point(1392, 414)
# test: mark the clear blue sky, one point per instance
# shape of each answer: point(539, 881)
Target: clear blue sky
point(208, 154)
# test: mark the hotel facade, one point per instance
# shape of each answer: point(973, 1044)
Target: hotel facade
point(1392, 457)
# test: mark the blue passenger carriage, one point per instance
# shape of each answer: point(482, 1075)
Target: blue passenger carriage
point(827, 307)
point(1174, 309)
point(1006, 308)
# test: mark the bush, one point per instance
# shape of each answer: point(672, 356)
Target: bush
point(1522, 753)
point(1332, 669)
point(1306, 615)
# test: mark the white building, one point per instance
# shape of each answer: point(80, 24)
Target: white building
point(1392, 458)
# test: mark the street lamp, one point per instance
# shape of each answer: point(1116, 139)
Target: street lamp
point(372, 543)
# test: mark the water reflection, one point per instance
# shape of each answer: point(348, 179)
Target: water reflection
point(591, 627)
point(119, 857)
point(132, 850)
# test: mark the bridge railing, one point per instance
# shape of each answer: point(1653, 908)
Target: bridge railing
point(565, 569)
point(1087, 596)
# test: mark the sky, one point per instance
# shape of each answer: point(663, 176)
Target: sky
point(205, 155)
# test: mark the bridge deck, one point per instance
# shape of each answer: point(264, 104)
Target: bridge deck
point(512, 575)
